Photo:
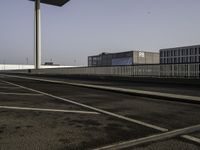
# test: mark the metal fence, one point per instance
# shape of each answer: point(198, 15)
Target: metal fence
point(168, 70)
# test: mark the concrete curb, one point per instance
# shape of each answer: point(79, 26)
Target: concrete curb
point(157, 95)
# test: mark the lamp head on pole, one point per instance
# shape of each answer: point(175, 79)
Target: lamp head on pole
point(54, 2)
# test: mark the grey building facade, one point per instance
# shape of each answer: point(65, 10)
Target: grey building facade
point(123, 58)
point(178, 55)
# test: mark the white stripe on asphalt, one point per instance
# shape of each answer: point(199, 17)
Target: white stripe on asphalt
point(20, 94)
point(94, 109)
point(49, 110)
point(152, 138)
point(191, 138)
point(117, 89)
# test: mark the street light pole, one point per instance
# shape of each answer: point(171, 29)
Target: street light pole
point(37, 26)
point(37, 52)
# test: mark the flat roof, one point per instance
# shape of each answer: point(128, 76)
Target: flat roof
point(179, 47)
point(117, 53)
point(54, 2)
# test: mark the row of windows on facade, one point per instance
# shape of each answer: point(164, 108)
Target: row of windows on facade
point(110, 56)
point(180, 52)
point(192, 59)
point(97, 62)
point(95, 58)
point(94, 63)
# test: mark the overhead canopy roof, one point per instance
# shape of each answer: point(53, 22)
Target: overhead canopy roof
point(54, 2)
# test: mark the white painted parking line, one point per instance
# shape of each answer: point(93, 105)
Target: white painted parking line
point(152, 138)
point(188, 98)
point(95, 109)
point(20, 94)
point(191, 138)
point(49, 110)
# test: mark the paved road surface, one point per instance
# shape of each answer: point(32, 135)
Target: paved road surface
point(43, 115)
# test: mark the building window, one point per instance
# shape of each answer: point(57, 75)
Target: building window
point(168, 54)
point(161, 54)
point(190, 51)
point(186, 59)
point(175, 60)
point(195, 51)
point(179, 52)
point(195, 58)
point(183, 52)
point(186, 51)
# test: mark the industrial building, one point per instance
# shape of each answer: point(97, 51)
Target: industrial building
point(179, 55)
point(123, 58)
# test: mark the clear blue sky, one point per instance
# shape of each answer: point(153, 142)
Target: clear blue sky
point(88, 27)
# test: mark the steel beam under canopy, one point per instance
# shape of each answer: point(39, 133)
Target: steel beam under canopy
point(37, 53)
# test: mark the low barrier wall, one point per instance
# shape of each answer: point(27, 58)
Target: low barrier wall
point(168, 71)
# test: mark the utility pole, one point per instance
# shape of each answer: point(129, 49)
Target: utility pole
point(37, 35)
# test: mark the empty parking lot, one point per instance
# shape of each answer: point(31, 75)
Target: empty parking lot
point(38, 114)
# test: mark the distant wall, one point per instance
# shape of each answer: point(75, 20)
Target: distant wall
point(154, 70)
point(11, 67)
point(16, 67)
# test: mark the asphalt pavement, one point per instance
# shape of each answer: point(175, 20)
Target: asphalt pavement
point(42, 115)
